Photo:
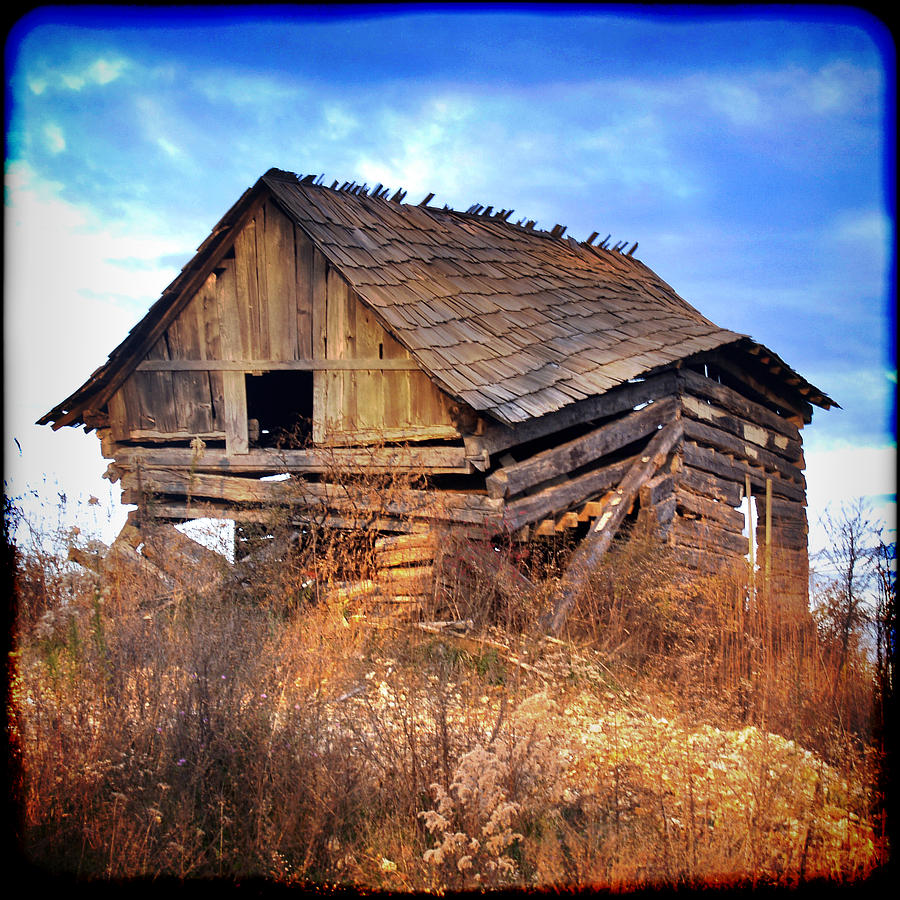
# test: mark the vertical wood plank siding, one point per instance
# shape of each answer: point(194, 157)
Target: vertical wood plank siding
point(277, 298)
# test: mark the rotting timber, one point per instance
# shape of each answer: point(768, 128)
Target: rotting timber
point(410, 369)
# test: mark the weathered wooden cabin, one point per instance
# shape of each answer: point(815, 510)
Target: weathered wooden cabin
point(531, 382)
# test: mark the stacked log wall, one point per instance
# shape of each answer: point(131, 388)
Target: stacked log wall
point(734, 445)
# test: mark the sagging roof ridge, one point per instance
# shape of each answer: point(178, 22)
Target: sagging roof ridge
point(476, 212)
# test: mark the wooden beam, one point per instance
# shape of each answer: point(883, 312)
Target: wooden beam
point(706, 535)
point(708, 485)
point(710, 509)
point(561, 497)
point(496, 436)
point(265, 515)
point(710, 563)
point(616, 504)
point(758, 435)
point(237, 439)
point(799, 408)
point(450, 506)
point(440, 460)
point(741, 449)
point(734, 470)
point(140, 435)
point(734, 402)
point(657, 489)
point(273, 365)
point(399, 434)
point(574, 454)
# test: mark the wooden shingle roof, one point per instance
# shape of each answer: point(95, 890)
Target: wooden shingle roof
point(513, 321)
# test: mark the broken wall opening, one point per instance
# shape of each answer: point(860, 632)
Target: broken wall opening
point(281, 405)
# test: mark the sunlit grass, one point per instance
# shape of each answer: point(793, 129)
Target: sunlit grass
point(674, 736)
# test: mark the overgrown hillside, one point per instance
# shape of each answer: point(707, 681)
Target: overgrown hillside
point(259, 723)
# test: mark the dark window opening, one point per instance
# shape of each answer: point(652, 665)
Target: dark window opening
point(280, 408)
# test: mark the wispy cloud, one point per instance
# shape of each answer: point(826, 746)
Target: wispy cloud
point(761, 98)
point(54, 138)
point(98, 72)
point(245, 89)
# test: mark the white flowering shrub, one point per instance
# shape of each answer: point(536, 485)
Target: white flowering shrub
point(474, 823)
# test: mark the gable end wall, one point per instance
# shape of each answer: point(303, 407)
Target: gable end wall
point(276, 303)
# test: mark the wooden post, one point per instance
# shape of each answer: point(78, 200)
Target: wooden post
point(237, 440)
point(768, 530)
point(748, 492)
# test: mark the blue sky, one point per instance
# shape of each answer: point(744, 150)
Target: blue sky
point(749, 151)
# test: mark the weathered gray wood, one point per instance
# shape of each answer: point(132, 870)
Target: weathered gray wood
point(567, 457)
point(237, 440)
point(706, 535)
point(376, 460)
point(708, 485)
point(560, 497)
point(757, 435)
point(710, 460)
point(796, 408)
point(659, 516)
point(616, 504)
point(142, 435)
point(657, 489)
point(711, 563)
point(714, 437)
point(784, 509)
point(373, 364)
point(318, 277)
point(710, 509)
point(451, 506)
point(275, 517)
point(730, 400)
point(496, 436)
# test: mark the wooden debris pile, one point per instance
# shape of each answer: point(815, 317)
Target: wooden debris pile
point(155, 563)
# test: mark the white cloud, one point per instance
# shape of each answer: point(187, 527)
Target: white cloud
point(738, 102)
point(103, 71)
point(838, 87)
point(841, 475)
point(432, 139)
point(340, 123)
point(247, 89)
point(99, 72)
point(170, 149)
point(761, 97)
point(54, 138)
point(68, 300)
point(864, 227)
point(634, 151)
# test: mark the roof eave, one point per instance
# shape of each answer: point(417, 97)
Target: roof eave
point(96, 391)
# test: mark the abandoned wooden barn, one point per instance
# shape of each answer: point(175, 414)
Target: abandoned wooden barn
point(532, 383)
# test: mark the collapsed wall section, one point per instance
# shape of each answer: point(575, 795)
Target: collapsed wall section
point(561, 476)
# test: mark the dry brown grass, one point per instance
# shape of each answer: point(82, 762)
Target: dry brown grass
point(675, 737)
